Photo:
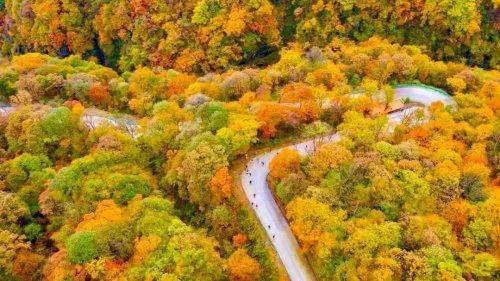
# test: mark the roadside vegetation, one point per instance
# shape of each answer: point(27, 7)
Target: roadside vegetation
point(206, 82)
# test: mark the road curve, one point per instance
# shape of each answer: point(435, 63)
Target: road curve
point(93, 118)
point(254, 182)
point(254, 178)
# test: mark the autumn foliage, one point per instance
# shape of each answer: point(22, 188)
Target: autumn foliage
point(123, 125)
point(221, 184)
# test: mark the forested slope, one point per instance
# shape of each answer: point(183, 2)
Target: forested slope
point(206, 35)
point(207, 82)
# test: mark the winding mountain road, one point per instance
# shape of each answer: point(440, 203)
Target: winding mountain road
point(254, 182)
point(254, 178)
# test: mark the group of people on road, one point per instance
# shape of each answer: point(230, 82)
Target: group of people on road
point(255, 195)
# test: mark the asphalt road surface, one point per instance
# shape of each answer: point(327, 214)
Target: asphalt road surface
point(254, 181)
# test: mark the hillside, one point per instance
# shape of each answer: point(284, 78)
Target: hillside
point(124, 126)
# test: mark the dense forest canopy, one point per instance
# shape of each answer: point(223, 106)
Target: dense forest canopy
point(125, 127)
point(207, 35)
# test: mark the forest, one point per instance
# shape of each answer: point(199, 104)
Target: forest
point(127, 127)
point(205, 35)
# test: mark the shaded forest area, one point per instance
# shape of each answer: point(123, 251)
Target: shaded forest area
point(213, 35)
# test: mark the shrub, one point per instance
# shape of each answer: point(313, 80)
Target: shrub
point(82, 247)
point(33, 231)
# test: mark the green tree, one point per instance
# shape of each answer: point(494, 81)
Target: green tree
point(82, 247)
